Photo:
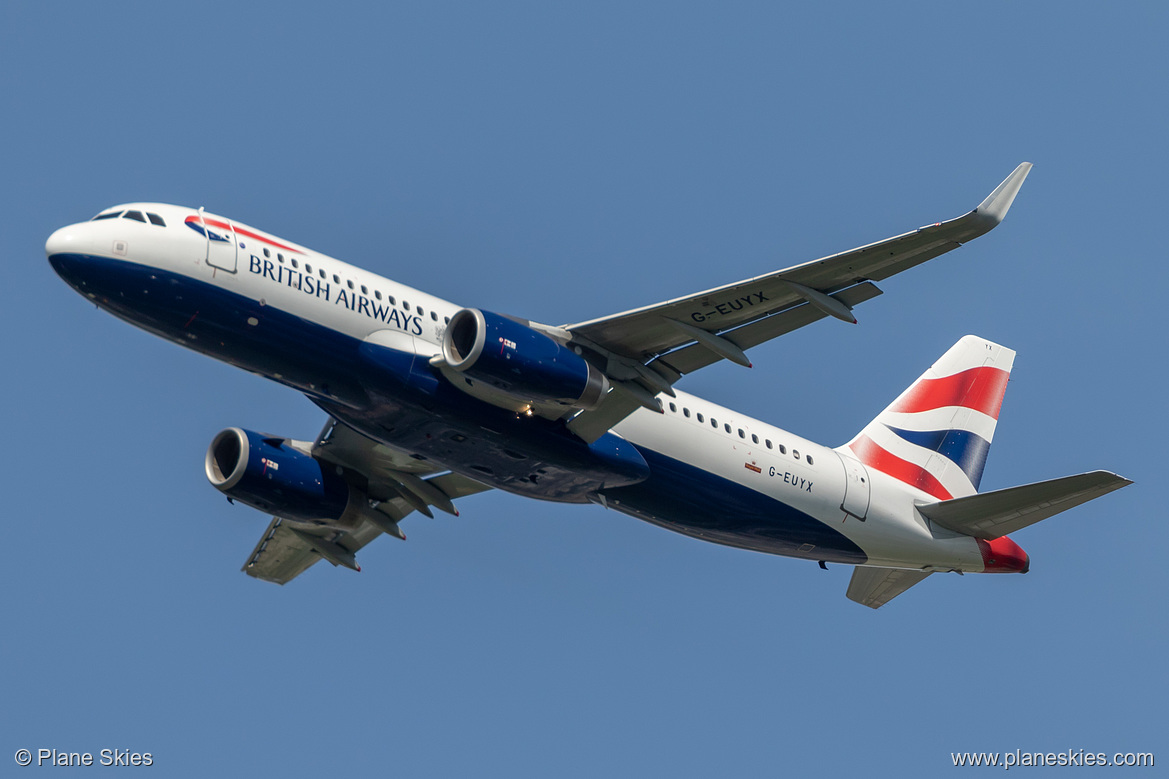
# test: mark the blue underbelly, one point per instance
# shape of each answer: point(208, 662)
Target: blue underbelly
point(695, 502)
point(391, 397)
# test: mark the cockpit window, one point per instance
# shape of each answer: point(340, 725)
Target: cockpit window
point(135, 215)
point(155, 219)
point(107, 215)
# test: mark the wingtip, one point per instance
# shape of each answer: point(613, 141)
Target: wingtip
point(1112, 478)
point(997, 203)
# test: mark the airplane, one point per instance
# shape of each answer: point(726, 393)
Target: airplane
point(429, 402)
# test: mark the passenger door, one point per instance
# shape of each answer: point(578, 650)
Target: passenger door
point(221, 242)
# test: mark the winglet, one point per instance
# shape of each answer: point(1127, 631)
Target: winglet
point(999, 202)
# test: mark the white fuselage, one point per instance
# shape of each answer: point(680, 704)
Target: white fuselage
point(725, 450)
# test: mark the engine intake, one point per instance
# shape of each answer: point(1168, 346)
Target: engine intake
point(520, 361)
point(270, 475)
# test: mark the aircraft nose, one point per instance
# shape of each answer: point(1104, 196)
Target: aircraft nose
point(61, 242)
point(1002, 555)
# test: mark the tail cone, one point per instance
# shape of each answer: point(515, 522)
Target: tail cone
point(1002, 555)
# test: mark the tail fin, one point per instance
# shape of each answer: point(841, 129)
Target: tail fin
point(935, 436)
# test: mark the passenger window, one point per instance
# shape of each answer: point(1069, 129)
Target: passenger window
point(713, 422)
point(700, 419)
point(754, 438)
point(446, 320)
point(405, 305)
point(809, 459)
point(135, 215)
point(390, 299)
point(293, 259)
point(420, 311)
point(782, 449)
point(350, 283)
point(795, 454)
point(685, 412)
point(155, 219)
point(364, 290)
point(377, 293)
point(727, 427)
point(269, 254)
point(673, 408)
point(308, 268)
point(768, 442)
point(336, 279)
point(433, 317)
point(324, 275)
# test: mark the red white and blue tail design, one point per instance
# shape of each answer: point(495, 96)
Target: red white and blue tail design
point(937, 433)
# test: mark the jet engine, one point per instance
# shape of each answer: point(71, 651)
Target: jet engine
point(272, 475)
point(519, 361)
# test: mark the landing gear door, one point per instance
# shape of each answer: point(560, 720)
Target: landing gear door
point(856, 487)
point(221, 242)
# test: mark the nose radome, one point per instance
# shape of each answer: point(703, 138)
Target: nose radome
point(61, 242)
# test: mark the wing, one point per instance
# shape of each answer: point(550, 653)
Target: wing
point(874, 587)
point(650, 331)
point(650, 348)
point(396, 485)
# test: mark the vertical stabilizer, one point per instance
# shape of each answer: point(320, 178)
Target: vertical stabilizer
point(935, 436)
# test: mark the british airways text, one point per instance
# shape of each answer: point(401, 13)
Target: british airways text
point(311, 285)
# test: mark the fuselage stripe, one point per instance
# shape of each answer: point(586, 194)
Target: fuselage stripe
point(194, 220)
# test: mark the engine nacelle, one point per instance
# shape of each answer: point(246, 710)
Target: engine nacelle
point(270, 475)
point(519, 361)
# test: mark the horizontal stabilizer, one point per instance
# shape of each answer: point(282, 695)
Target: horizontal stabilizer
point(993, 514)
point(874, 587)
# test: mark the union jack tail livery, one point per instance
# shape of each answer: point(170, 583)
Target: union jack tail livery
point(935, 436)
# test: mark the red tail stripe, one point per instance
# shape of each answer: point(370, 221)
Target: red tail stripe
point(872, 455)
point(981, 389)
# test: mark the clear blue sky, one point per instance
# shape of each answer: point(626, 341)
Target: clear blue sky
point(561, 162)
